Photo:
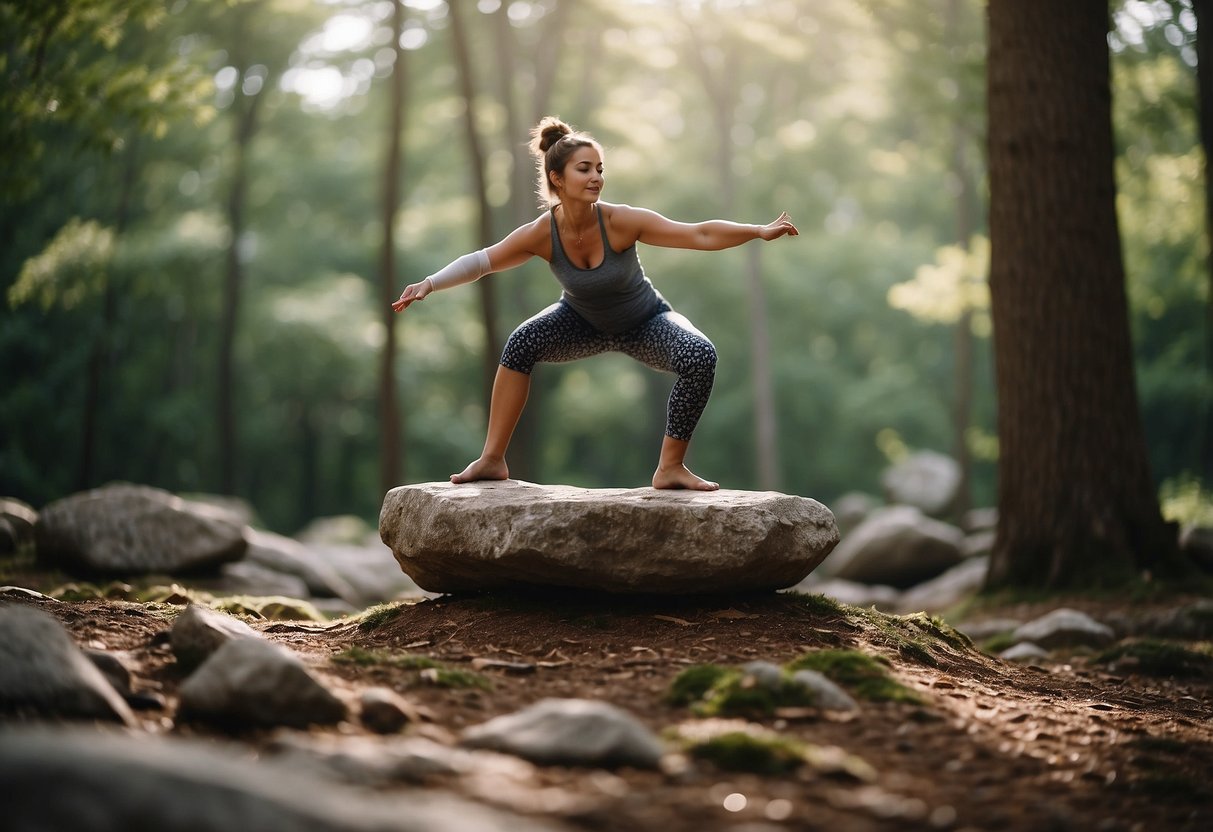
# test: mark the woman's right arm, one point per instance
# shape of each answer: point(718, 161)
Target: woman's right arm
point(521, 245)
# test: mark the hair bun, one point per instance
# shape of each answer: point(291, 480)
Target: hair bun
point(550, 131)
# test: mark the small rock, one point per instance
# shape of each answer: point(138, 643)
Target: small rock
point(570, 732)
point(764, 674)
point(282, 554)
point(1025, 651)
point(249, 578)
point(853, 508)
point(43, 671)
point(926, 480)
point(385, 712)
point(1065, 628)
point(21, 593)
point(827, 695)
point(250, 682)
point(198, 632)
point(896, 546)
point(20, 518)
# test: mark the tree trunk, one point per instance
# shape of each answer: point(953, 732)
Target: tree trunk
point(1077, 505)
point(488, 299)
point(391, 462)
point(245, 112)
point(1204, 92)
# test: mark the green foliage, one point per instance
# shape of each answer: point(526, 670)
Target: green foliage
point(1187, 501)
point(849, 115)
point(863, 675)
point(692, 684)
point(430, 670)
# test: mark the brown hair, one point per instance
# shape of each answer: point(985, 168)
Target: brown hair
point(552, 143)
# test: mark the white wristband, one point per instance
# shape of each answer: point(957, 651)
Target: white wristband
point(466, 269)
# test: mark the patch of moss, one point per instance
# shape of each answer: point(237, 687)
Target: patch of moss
point(935, 626)
point(432, 671)
point(692, 684)
point(819, 604)
point(741, 751)
point(712, 690)
point(862, 674)
point(375, 617)
point(1160, 658)
point(445, 677)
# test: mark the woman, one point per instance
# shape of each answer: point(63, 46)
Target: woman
point(607, 303)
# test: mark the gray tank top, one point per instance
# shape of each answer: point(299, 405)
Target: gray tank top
point(613, 297)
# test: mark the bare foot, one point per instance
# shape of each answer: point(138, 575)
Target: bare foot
point(483, 469)
point(679, 476)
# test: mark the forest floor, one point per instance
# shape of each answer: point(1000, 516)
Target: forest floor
point(1068, 744)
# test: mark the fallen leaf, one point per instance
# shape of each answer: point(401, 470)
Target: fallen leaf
point(681, 621)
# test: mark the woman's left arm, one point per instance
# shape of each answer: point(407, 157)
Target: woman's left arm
point(653, 229)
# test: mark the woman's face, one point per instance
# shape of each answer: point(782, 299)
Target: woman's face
point(581, 179)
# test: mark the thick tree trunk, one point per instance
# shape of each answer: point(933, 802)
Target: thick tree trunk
point(391, 463)
point(1077, 505)
point(1204, 91)
point(488, 299)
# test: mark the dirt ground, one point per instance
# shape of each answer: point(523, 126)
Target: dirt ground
point(1064, 745)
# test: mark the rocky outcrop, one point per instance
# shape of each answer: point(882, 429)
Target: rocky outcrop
point(483, 536)
point(134, 529)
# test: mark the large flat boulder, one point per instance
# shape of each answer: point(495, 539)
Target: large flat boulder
point(512, 534)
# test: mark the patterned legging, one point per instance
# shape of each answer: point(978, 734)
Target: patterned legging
point(667, 342)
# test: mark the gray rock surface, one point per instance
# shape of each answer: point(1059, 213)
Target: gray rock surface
point(948, 589)
point(86, 781)
point(1065, 628)
point(1024, 651)
point(853, 508)
point(578, 732)
point(198, 632)
point(383, 711)
point(134, 529)
point(340, 530)
point(896, 546)
point(926, 480)
point(827, 695)
point(250, 682)
point(43, 671)
point(371, 570)
point(481, 536)
point(282, 554)
point(19, 518)
point(248, 578)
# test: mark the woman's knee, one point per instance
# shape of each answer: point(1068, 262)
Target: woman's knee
point(697, 358)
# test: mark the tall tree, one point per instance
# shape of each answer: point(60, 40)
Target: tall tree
point(1204, 92)
point(391, 463)
point(1077, 504)
point(484, 225)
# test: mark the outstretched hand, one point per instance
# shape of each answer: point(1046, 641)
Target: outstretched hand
point(411, 294)
point(780, 227)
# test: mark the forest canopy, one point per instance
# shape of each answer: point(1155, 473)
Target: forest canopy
point(157, 148)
